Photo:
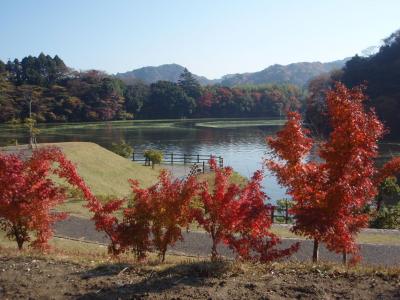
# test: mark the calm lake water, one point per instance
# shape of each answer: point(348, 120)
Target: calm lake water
point(240, 142)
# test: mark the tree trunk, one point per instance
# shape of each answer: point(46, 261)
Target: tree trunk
point(20, 242)
point(344, 258)
point(315, 256)
point(163, 256)
point(214, 253)
point(19, 238)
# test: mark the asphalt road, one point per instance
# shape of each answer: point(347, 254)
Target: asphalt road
point(199, 244)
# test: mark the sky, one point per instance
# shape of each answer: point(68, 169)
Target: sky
point(209, 37)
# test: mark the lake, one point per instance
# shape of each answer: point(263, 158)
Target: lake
point(240, 142)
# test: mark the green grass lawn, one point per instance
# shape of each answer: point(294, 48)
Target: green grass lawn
point(105, 172)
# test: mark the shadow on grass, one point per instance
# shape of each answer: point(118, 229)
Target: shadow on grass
point(187, 274)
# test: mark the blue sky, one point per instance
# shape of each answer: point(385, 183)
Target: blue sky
point(210, 37)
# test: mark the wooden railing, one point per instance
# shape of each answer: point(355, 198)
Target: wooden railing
point(176, 158)
point(281, 215)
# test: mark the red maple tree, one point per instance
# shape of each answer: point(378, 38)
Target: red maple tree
point(239, 217)
point(330, 195)
point(218, 206)
point(162, 210)
point(28, 195)
point(251, 237)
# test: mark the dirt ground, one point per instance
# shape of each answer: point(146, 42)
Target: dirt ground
point(29, 277)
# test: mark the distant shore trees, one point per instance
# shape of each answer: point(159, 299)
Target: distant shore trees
point(61, 94)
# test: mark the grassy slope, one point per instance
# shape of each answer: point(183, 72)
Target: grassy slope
point(105, 172)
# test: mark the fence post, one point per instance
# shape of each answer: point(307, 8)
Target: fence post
point(286, 212)
point(184, 159)
point(133, 156)
point(198, 158)
point(172, 158)
point(204, 166)
point(272, 214)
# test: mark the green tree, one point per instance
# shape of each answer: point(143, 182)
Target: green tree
point(389, 193)
point(2, 67)
point(136, 95)
point(387, 218)
point(168, 100)
point(189, 84)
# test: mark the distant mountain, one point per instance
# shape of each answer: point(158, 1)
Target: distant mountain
point(296, 73)
point(168, 72)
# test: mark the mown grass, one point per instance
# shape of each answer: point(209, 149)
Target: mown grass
point(105, 172)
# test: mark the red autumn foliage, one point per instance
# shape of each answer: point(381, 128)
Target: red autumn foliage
point(103, 216)
point(330, 195)
point(251, 237)
point(162, 210)
point(216, 215)
point(135, 229)
point(239, 217)
point(28, 195)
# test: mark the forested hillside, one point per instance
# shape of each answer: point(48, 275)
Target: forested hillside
point(168, 72)
point(380, 73)
point(57, 93)
point(297, 73)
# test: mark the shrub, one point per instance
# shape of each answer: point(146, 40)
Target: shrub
point(154, 156)
point(387, 218)
point(389, 193)
point(122, 148)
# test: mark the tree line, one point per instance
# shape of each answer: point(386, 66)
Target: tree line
point(379, 73)
point(58, 93)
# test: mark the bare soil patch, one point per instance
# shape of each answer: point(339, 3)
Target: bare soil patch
point(30, 277)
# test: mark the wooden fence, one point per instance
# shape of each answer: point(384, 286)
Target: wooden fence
point(185, 159)
point(281, 214)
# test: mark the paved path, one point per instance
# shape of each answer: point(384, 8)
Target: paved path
point(199, 244)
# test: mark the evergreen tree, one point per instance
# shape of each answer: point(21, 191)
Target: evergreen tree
point(189, 84)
